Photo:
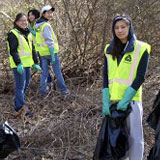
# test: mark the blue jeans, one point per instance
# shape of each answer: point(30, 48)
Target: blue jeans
point(21, 85)
point(46, 61)
point(49, 78)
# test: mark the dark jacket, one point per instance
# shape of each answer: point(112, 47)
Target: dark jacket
point(153, 121)
point(142, 67)
point(42, 19)
point(13, 44)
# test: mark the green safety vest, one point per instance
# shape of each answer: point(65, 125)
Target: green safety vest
point(24, 50)
point(121, 76)
point(42, 46)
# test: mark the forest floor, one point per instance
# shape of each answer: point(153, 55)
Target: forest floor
point(66, 127)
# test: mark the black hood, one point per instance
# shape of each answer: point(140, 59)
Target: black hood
point(131, 35)
point(131, 30)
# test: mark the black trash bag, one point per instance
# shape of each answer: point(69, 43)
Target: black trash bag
point(153, 117)
point(102, 138)
point(112, 142)
point(154, 121)
point(9, 140)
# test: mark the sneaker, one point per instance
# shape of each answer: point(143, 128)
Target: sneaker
point(29, 113)
point(44, 93)
point(67, 92)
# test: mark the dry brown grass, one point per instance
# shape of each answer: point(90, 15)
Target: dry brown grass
point(64, 128)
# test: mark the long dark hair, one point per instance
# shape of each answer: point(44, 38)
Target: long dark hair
point(18, 16)
point(117, 44)
point(35, 12)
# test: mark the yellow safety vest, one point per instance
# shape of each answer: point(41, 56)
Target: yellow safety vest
point(121, 76)
point(42, 46)
point(24, 50)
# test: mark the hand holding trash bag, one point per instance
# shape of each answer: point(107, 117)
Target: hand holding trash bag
point(129, 94)
point(112, 142)
point(106, 102)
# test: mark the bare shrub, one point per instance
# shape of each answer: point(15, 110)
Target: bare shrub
point(67, 128)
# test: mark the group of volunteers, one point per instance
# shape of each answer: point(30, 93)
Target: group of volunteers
point(24, 44)
point(125, 65)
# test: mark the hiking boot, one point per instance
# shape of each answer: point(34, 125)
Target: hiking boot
point(21, 113)
point(24, 111)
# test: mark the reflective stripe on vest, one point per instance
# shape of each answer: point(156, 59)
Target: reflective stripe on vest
point(132, 70)
point(121, 76)
point(24, 50)
point(22, 53)
point(41, 42)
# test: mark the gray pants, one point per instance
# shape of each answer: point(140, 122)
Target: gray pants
point(135, 128)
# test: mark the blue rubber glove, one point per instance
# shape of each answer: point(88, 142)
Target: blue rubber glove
point(36, 67)
point(51, 50)
point(32, 30)
point(106, 102)
point(20, 69)
point(127, 98)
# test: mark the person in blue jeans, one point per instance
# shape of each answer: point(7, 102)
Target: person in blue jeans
point(49, 50)
point(22, 58)
point(33, 15)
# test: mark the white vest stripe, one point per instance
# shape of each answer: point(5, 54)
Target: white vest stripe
point(21, 43)
point(22, 47)
point(25, 54)
point(133, 67)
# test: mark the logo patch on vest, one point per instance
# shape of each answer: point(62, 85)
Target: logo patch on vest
point(128, 58)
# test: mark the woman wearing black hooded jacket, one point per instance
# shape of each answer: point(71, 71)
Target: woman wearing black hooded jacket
point(22, 58)
point(125, 64)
